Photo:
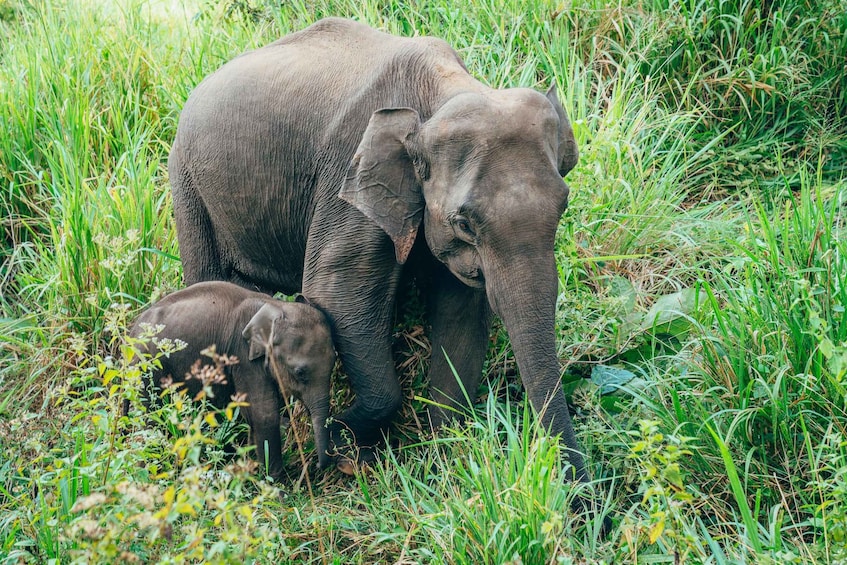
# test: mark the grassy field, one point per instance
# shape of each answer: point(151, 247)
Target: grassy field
point(702, 330)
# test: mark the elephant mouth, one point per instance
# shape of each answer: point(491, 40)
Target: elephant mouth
point(472, 277)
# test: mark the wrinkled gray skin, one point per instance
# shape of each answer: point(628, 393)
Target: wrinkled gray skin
point(282, 347)
point(319, 160)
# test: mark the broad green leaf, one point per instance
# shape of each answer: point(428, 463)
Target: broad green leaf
point(670, 307)
point(610, 379)
point(621, 288)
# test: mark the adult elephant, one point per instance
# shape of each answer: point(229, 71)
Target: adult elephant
point(320, 160)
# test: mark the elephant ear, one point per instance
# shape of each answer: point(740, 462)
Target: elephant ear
point(381, 180)
point(259, 331)
point(568, 152)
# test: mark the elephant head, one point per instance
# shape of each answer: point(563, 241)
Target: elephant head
point(296, 343)
point(484, 175)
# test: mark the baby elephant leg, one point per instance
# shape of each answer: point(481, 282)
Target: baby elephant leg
point(262, 415)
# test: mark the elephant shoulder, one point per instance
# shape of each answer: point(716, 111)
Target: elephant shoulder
point(330, 30)
point(195, 303)
point(436, 47)
point(337, 25)
point(434, 58)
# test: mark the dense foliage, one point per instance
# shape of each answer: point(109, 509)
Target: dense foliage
point(702, 331)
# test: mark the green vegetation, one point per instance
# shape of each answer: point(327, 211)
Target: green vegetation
point(703, 266)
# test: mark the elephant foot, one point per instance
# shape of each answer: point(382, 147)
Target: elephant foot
point(351, 467)
point(588, 507)
point(606, 527)
point(354, 459)
point(351, 456)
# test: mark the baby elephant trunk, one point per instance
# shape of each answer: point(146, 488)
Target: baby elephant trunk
point(319, 411)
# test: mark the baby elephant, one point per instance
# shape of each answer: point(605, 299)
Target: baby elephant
point(282, 348)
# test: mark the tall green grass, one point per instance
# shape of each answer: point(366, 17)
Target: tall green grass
point(703, 262)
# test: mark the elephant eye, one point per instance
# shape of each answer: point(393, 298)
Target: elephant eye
point(464, 226)
point(301, 373)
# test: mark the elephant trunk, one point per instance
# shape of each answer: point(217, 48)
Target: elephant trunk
point(523, 294)
point(319, 412)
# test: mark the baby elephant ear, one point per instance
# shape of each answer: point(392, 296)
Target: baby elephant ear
point(259, 330)
point(381, 180)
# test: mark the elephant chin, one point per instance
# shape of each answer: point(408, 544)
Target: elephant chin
point(474, 280)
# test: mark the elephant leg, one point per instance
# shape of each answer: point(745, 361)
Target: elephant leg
point(262, 415)
point(369, 363)
point(264, 428)
point(235, 277)
point(198, 248)
point(461, 323)
point(353, 278)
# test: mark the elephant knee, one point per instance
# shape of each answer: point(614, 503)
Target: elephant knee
point(383, 408)
point(366, 419)
point(393, 405)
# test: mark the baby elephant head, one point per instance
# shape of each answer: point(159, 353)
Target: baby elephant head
point(295, 340)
